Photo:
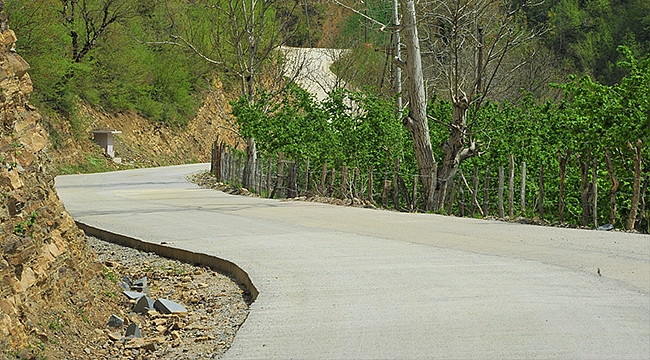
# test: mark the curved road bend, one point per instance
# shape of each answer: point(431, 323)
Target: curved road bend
point(340, 282)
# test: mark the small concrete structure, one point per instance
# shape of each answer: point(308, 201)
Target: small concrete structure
point(104, 138)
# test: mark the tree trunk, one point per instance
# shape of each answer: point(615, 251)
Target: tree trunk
point(636, 187)
point(416, 121)
point(251, 164)
point(614, 189)
point(454, 148)
point(561, 204)
point(584, 187)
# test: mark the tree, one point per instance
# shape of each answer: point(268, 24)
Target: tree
point(416, 119)
point(242, 39)
point(470, 50)
point(88, 21)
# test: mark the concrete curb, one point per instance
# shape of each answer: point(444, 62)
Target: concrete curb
point(177, 254)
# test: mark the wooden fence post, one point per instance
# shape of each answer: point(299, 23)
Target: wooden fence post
point(461, 195)
point(355, 183)
point(307, 178)
point(540, 204)
point(323, 180)
point(501, 185)
point(233, 165)
point(594, 177)
point(260, 174)
point(344, 185)
point(332, 180)
point(396, 185)
point(643, 203)
point(563, 162)
point(385, 192)
point(268, 179)
point(475, 192)
point(511, 187)
point(279, 181)
point(239, 176)
point(370, 181)
point(486, 192)
point(415, 193)
point(585, 187)
point(523, 188)
point(614, 189)
point(452, 196)
point(214, 168)
point(636, 187)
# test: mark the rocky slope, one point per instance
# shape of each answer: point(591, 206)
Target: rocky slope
point(46, 267)
point(141, 143)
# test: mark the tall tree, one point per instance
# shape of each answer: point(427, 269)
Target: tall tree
point(470, 51)
point(242, 39)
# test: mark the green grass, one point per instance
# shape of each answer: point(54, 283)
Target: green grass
point(93, 163)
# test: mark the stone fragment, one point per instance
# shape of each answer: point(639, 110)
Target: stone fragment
point(606, 227)
point(139, 284)
point(132, 295)
point(110, 263)
point(143, 305)
point(115, 336)
point(115, 321)
point(169, 307)
point(134, 343)
point(133, 331)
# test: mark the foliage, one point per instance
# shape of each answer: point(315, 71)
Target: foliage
point(589, 118)
point(118, 73)
point(357, 129)
point(586, 33)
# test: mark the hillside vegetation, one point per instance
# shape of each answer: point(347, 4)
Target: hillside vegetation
point(160, 61)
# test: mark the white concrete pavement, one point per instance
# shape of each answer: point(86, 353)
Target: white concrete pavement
point(340, 282)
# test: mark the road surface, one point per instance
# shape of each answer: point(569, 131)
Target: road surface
point(310, 67)
point(348, 283)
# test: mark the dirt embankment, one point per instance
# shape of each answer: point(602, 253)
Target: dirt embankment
point(141, 143)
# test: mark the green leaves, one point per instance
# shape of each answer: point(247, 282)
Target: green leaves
point(350, 128)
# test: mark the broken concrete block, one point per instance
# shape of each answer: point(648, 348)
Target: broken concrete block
point(132, 295)
point(165, 306)
point(139, 284)
point(115, 321)
point(143, 305)
point(133, 331)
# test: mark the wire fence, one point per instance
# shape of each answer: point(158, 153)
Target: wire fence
point(512, 191)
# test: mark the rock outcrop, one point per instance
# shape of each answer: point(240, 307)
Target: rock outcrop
point(46, 265)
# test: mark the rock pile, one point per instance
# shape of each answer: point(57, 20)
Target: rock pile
point(173, 309)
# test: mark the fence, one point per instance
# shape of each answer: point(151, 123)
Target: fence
point(509, 191)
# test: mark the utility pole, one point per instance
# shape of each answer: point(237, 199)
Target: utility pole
point(398, 55)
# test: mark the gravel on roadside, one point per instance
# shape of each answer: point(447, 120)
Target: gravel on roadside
point(217, 306)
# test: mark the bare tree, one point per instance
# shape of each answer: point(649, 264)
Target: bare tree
point(242, 39)
point(87, 21)
point(416, 120)
point(468, 50)
point(471, 49)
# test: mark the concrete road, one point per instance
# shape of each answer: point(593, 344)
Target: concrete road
point(310, 67)
point(342, 283)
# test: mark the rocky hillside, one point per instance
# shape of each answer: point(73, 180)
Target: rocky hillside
point(141, 143)
point(49, 276)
